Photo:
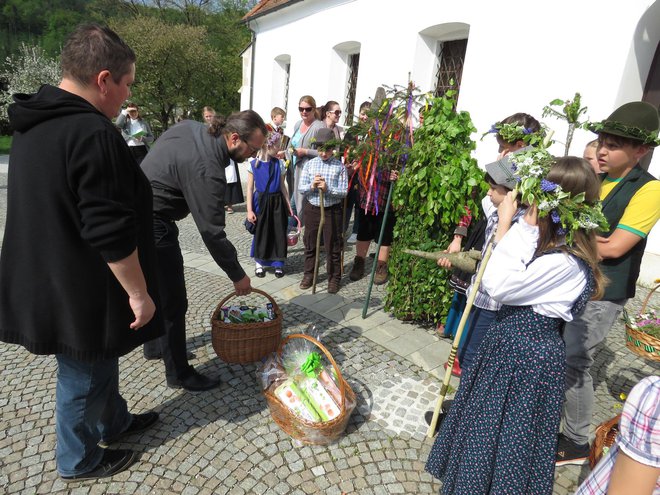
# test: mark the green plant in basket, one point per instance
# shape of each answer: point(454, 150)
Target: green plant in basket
point(647, 320)
point(643, 330)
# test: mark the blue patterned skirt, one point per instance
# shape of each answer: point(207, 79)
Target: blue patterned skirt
point(500, 435)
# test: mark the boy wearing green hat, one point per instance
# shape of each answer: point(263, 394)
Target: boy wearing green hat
point(631, 203)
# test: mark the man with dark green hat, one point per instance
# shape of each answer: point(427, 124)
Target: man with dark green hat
point(631, 204)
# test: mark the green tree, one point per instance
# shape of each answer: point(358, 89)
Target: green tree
point(25, 73)
point(176, 68)
point(440, 179)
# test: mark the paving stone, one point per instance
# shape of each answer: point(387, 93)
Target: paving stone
point(225, 441)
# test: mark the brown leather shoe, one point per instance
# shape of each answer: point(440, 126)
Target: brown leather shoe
point(333, 287)
point(381, 273)
point(306, 282)
point(357, 272)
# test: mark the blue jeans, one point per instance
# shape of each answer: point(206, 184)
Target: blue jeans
point(88, 407)
point(479, 321)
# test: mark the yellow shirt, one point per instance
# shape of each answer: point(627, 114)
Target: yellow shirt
point(642, 212)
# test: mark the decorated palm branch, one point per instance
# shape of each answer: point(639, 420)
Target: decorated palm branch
point(382, 146)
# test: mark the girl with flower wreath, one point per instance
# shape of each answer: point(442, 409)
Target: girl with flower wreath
point(500, 434)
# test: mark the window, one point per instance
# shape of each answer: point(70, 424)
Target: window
point(439, 57)
point(280, 87)
point(353, 66)
point(344, 67)
point(451, 56)
point(287, 70)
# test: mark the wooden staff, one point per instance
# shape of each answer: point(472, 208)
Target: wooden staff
point(343, 234)
point(457, 338)
point(318, 242)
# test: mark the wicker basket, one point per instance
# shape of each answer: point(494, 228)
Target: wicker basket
point(309, 432)
point(606, 434)
point(642, 343)
point(245, 342)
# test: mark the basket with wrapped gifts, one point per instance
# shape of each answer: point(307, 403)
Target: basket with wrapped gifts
point(306, 393)
point(246, 333)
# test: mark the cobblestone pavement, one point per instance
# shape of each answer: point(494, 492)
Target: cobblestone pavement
point(225, 441)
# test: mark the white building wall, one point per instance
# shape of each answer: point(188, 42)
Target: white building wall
point(520, 56)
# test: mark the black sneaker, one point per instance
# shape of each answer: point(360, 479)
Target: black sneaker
point(194, 382)
point(112, 462)
point(570, 453)
point(139, 423)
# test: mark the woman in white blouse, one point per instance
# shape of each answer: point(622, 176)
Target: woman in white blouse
point(136, 131)
point(500, 434)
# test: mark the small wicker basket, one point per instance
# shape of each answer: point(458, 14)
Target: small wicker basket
point(606, 434)
point(641, 343)
point(243, 343)
point(309, 432)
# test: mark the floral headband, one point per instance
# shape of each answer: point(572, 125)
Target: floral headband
point(274, 139)
point(568, 213)
point(647, 137)
point(331, 144)
point(512, 133)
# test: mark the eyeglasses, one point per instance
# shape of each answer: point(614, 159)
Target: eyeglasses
point(253, 150)
point(336, 112)
point(305, 109)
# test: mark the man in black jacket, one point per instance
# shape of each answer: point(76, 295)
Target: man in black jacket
point(186, 169)
point(77, 268)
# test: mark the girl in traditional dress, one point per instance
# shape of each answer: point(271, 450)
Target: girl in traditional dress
point(268, 206)
point(500, 435)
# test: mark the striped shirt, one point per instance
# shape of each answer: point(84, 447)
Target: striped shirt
point(334, 173)
point(639, 437)
point(482, 299)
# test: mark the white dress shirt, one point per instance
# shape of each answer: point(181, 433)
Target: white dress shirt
point(550, 284)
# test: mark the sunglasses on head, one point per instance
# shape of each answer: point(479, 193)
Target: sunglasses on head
point(336, 112)
point(305, 109)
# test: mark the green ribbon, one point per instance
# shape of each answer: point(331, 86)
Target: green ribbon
point(310, 365)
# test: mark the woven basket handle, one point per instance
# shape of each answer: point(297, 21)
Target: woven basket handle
point(258, 291)
point(327, 354)
point(648, 297)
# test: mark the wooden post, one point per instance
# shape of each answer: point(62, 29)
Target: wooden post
point(457, 338)
point(318, 242)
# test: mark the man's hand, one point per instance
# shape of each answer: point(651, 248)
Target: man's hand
point(143, 308)
point(243, 286)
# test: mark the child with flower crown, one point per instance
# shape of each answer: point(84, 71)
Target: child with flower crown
point(512, 133)
point(500, 434)
point(268, 206)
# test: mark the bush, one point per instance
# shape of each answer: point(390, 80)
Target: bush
point(5, 144)
point(25, 73)
point(429, 199)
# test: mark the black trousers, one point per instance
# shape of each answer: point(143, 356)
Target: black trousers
point(138, 152)
point(174, 299)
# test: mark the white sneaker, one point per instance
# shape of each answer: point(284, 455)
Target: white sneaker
point(352, 239)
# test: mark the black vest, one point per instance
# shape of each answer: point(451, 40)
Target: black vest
point(623, 272)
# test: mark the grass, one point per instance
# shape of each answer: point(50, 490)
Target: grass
point(5, 144)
